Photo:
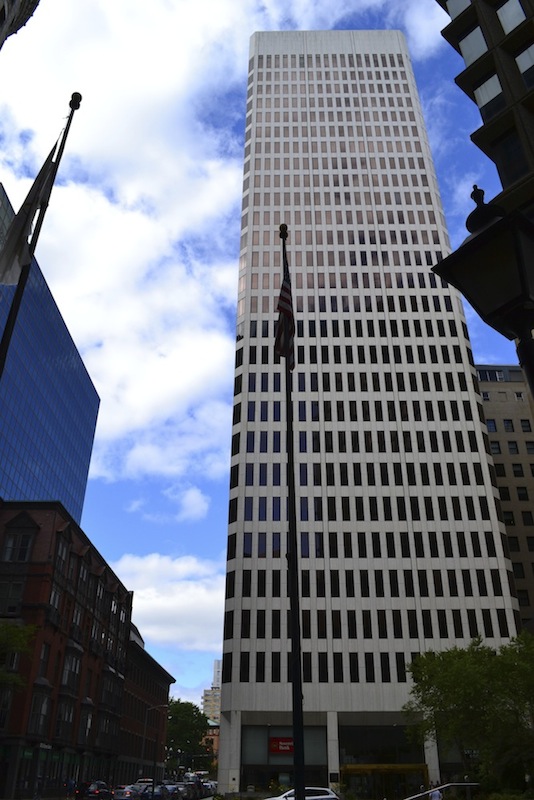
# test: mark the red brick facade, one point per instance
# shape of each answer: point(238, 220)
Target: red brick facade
point(72, 716)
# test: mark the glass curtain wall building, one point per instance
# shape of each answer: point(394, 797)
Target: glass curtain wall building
point(401, 548)
point(48, 404)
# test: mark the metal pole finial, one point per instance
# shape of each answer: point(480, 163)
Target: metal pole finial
point(75, 101)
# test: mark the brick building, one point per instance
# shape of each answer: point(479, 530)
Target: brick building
point(70, 717)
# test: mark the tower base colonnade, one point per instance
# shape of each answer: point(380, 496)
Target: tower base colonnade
point(367, 754)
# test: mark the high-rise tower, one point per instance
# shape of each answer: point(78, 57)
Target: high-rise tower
point(400, 545)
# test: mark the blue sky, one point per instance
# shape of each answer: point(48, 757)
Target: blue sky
point(140, 250)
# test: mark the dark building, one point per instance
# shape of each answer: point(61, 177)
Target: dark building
point(86, 682)
point(496, 40)
point(48, 404)
point(14, 14)
point(145, 706)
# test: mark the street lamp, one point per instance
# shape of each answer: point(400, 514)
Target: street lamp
point(494, 270)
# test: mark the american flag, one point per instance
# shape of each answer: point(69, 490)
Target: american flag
point(284, 343)
point(16, 250)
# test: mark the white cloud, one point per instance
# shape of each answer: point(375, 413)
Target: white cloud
point(195, 442)
point(135, 505)
point(192, 503)
point(177, 601)
point(141, 238)
point(422, 20)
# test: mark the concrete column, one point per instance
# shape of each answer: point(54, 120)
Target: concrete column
point(229, 753)
point(432, 761)
point(332, 742)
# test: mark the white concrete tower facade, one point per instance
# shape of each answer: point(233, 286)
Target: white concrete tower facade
point(400, 546)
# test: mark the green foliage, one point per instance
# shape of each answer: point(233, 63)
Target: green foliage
point(479, 700)
point(13, 639)
point(186, 729)
point(276, 788)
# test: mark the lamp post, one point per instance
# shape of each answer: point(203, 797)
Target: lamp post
point(156, 744)
point(494, 270)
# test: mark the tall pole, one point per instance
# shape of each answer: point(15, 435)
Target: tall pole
point(292, 557)
point(143, 743)
point(156, 744)
point(155, 764)
point(74, 105)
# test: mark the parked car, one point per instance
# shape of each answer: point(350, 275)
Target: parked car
point(193, 790)
point(96, 790)
point(130, 792)
point(174, 790)
point(81, 789)
point(159, 792)
point(180, 790)
point(311, 793)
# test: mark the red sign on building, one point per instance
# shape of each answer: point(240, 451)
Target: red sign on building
point(279, 744)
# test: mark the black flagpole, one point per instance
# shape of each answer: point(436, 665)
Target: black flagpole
point(293, 572)
point(74, 105)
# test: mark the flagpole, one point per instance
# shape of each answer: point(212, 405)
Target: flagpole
point(7, 334)
point(74, 105)
point(292, 557)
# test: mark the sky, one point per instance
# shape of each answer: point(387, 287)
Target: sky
point(140, 249)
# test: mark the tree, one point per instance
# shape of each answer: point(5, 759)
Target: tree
point(186, 729)
point(512, 752)
point(480, 701)
point(14, 639)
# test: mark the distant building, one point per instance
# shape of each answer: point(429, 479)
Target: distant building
point(496, 41)
point(211, 698)
point(14, 14)
point(211, 703)
point(211, 739)
point(48, 404)
point(88, 705)
point(217, 672)
point(510, 424)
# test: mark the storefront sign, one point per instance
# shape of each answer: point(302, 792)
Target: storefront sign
point(278, 744)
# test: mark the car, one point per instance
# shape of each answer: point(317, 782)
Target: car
point(180, 790)
point(130, 792)
point(310, 792)
point(172, 789)
point(159, 791)
point(96, 790)
point(192, 790)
